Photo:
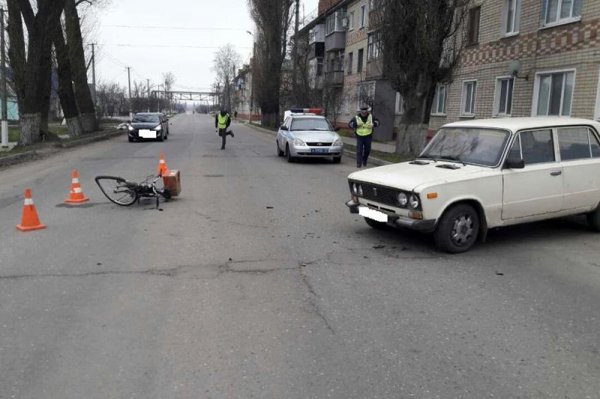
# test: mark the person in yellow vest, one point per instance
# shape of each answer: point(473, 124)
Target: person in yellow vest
point(222, 122)
point(363, 125)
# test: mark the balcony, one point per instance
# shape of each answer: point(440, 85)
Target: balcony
point(334, 78)
point(335, 41)
point(375, 69)
point(316, 50)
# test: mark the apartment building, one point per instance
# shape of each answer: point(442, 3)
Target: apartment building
point(526, 58)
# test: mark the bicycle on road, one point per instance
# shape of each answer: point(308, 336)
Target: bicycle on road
point(124, 192)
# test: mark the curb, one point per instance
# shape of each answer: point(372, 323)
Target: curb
point(55, 147)
point(347, 153)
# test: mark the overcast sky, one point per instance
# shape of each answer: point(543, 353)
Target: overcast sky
point(179, 36)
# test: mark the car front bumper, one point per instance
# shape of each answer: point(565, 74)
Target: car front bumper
point(316, 152)
point(395, 220)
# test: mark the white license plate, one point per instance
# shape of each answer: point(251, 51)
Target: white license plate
point(319, 150)
point(372, 214)
point(147, 134)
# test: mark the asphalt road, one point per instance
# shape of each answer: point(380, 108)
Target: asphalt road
point(258, 283)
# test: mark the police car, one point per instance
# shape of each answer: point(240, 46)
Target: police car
point(306, 133)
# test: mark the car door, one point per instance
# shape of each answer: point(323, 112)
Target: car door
point(538, 187)
point(580, 159)
point(282, 134)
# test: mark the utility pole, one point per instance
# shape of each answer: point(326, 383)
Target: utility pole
point(94, 72)
point(295, 54)
point(129, 82)
point(3, 84)
point(148, 84)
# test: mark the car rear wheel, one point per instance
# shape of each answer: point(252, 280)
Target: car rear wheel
point(288, 154)
point(458, 229)
point(593, 219)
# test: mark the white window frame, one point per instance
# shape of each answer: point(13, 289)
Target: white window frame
point(559, 20)
point(436, 100)
point(351, 20)
point(536, 89)
point(497, 93)
point(516, 18)
point(597, 115)
point(363, 16)
point(399, 104)
point(463, 99)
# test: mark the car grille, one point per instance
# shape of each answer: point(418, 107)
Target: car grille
point(381, 194)
point(319, 144)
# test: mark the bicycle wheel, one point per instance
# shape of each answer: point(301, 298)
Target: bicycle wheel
point(117, 190)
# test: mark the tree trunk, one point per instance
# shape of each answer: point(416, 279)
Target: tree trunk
point(16, 50)
point(270, 119)
point(74, 126)
point(30, 129)
point(65, 84)
point(79, 68)
point(45, 90)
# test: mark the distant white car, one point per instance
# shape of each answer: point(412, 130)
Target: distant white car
point(308, 135)
point(479, 174)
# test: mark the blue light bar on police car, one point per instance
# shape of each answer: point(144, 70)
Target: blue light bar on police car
point(316, 111)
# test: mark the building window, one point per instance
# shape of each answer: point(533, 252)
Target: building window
point(374, 46)
point(351, 21)
point(512, 16)
point(350, 61)
point(468, 98)
point(553, 93)
point(399, 103)
point(473, 26)
point(335, 22)
point(363, 15)
point(504, 96)
point(319, 71)
point(561, 11)
point(438, 107)
point(361, 56)
point(366, 94)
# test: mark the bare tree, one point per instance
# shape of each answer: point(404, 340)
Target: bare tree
point(421, 43)
point(111, 99)
point(272, 19)
point(169, 80)
point(224, 65)
point(32, 67)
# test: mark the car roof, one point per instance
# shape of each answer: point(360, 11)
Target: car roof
point(516, 124)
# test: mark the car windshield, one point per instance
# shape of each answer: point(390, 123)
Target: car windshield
point(145, 119)
point(320, 124)
point(467, 145)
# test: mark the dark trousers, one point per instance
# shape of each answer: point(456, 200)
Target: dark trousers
point(223, 133)
point(363, 149)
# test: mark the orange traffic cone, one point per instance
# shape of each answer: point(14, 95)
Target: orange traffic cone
point(163, 170)
point(76, 194)
point(30, 220)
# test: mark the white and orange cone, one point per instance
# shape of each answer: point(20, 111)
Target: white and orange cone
point(76, 195)
point(163, 170)
point(30, 219)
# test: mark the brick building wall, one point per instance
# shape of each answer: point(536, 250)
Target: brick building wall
point(572, 46)
point(325, 5)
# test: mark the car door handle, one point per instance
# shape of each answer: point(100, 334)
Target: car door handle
point(556, 173)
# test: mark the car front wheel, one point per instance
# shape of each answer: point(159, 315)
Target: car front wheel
point(288, 154)
point(279, 152)
point(458, 229)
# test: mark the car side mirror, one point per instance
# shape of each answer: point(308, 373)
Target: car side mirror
point(284, 128)
point(514, 163)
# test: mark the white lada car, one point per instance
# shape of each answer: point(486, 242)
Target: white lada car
point(479, 174)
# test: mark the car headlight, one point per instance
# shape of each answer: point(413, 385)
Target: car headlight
point(300, 143)
point(414, 201)
point(354, 189)
point(338, 143)
point(158, 128)
point(360, 190)
point(130, 128)
point(402, 200)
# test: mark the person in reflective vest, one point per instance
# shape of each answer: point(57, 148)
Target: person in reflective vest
point(363, 125)
point(222, 122)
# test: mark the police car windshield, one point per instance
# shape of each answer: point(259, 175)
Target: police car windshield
point(320, 124)
point(145, 119)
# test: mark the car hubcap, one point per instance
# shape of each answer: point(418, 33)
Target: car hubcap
point(462, 231)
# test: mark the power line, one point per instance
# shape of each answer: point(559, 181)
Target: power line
point(170, 28)
point(171, 46)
